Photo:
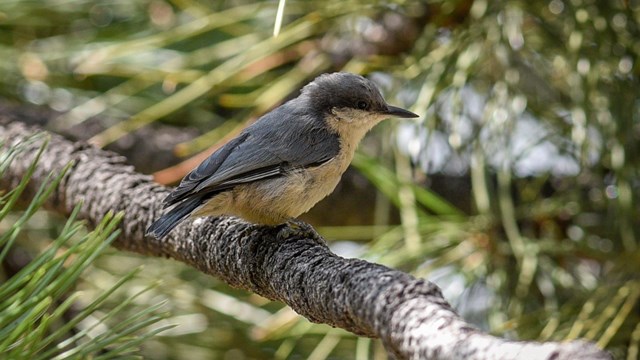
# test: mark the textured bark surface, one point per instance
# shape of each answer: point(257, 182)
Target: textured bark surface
point(408, 314)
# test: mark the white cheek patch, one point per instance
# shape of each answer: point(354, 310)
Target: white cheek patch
point(350, 115)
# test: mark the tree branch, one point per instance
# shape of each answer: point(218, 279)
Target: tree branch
point(408, 314)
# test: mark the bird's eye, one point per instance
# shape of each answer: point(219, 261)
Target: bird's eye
point(362, 105)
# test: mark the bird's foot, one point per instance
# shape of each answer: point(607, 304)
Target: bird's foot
point(297, 229)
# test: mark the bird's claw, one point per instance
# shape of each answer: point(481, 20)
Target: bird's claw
point(296, 229)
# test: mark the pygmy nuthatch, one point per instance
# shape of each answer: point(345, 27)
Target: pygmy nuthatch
point(287, 161)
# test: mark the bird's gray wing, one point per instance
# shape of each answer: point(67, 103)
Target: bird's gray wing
point(264, 150)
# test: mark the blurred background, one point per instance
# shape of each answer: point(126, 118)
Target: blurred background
point(516, 191)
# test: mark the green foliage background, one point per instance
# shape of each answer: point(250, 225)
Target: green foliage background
point(43, 315)
point(534, 104)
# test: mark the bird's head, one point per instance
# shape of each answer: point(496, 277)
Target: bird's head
point(350, 101)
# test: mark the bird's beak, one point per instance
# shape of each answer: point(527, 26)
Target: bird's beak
point(399, 112)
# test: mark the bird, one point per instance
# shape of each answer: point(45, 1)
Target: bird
point(288, 160)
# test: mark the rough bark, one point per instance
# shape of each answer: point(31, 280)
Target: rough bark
point(408, 314)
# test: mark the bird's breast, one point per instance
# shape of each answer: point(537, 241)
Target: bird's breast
point(306, 187)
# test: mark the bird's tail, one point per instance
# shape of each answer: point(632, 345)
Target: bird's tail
point(171, 219)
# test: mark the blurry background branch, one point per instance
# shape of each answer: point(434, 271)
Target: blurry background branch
point(409, 315)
